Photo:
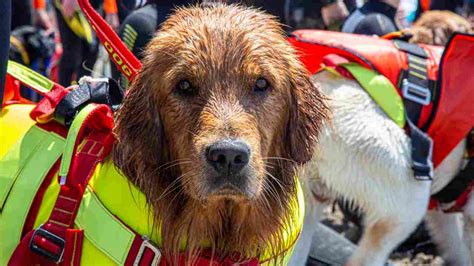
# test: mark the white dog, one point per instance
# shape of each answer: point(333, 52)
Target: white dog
point(365, 158)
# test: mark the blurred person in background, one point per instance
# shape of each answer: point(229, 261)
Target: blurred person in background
point(5, 21)
point(449, 5)
point(140, 25)
point(335, 12)
point(456, 6)
point(30, 12)
point(80, 46)
point(41, 16)
point(376, 17)
point(21, 13)
point(468, 11)
point(125, 7)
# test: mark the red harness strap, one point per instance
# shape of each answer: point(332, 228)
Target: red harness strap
point(455, 206)
point(144, 253)
point(125, 61)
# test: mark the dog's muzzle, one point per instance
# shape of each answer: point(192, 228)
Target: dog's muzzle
point(230, 161)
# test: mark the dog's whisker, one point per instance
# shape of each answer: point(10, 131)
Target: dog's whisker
point(275, 179)
point(173, 165)
point(272, 190)
point(192, 133)
point(183, 184)
point(171, 187)
point(279, 159)
point(173, 162)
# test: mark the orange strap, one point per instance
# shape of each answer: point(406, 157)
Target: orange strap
point(125, 60)
point(39, 4)
point(110, 6)
point(425, 5)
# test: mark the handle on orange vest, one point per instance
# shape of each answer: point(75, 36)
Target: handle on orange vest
point(125, 60)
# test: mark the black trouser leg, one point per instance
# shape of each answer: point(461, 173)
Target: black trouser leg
point(5, 10)
point(89, 56)
point(72, 51)
point(21, 13)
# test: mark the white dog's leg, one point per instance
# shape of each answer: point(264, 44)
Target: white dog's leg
point(469, 226)
point(386, 228)
point(366, 158)
point(446, 232)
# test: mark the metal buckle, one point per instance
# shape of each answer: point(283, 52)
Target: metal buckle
point(57, 258)
point(147, 244)
point(416, 93)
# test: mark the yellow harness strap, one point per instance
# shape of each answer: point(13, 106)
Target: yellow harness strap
point(381, 90)
point(77, 23)
point(21, 49)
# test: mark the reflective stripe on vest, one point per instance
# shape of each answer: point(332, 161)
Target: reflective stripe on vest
point(24, 166)
point(101, 242)
point(381, 90)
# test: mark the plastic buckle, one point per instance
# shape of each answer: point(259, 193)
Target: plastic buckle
point(148, 244)
point(423, 171)
point(58, 241)
point(416, 93)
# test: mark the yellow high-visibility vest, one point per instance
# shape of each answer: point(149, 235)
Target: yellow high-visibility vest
point(27, 152)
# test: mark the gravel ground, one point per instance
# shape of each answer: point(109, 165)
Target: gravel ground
point(417, 250)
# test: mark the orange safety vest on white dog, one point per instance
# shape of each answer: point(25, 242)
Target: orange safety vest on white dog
point(447, 112)
point(435, 85)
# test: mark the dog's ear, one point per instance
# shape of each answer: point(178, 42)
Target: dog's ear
point(307, 111)
point(140, 146)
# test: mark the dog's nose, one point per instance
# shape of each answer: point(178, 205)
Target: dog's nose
point(228, 157)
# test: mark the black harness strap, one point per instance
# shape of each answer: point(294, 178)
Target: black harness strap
point(421, 152)
point(417, 91)
point(101, 90)
point(457, 186)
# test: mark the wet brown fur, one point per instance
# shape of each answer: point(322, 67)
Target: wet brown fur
point(162, 135)
point(435, 27)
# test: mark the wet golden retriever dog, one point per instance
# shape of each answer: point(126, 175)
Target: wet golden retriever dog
point(214, 127)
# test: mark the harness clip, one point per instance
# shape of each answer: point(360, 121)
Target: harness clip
point(52, 238)
point(147, 244)
point(416, 93)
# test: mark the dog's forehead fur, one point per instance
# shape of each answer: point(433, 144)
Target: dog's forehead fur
point(202, 44)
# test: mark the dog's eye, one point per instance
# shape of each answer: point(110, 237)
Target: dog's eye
point(185, 87)
point(261, 85)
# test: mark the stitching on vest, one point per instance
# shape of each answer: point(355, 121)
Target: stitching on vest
point(74, 250)
point(120, 223)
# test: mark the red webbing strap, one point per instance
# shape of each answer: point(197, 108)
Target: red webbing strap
point(56, 241)
point(455, 206)
point(44, 110)
point(144, 253)
point(125, 60)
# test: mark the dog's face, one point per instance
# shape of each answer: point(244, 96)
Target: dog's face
point(221, 113)
point(224, 94)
